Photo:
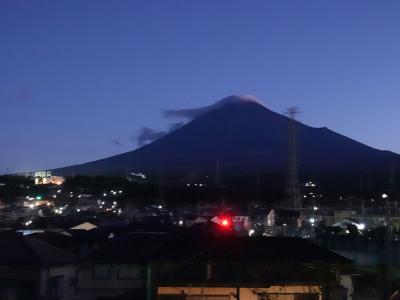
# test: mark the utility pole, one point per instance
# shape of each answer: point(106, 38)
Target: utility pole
point(126, 169)
point(362, 208)
point(161, 189)
point(388, 250)
point(217, 178)
point(257, 194)
point(292, 192)
point(388, 238)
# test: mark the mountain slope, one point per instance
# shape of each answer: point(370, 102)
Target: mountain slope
point(241, 136)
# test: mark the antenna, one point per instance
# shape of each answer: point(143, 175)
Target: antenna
point(292, 192)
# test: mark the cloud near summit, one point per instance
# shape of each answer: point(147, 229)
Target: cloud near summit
point(189, 114)
point(193, 113)
point(147, 135)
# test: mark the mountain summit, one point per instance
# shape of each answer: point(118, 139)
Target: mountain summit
point(236, 99)
point(193, 113)
point(241, 135)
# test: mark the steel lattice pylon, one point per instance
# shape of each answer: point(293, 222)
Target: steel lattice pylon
point(292, 191)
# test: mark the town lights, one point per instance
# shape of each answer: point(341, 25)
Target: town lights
point(360, 226)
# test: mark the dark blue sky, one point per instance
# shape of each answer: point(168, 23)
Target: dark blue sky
point(78, 79)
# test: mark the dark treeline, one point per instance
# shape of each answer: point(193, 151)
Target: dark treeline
point(175, 191)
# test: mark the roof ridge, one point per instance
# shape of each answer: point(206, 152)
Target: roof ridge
point(31, 241)
point(21, 239)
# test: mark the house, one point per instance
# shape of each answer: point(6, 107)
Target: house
point(283, 222)
point(247, 268)
point(32, 269)
point(118, 267)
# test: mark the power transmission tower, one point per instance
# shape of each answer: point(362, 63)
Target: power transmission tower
point(292, 192)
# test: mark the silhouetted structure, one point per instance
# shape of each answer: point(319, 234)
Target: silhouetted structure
point(292, 193)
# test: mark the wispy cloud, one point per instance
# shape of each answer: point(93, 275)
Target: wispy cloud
point(23, 96)
point(188, 114)
point(147, 135)
point(116, 142)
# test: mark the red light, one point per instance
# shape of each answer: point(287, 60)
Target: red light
point(225, 223)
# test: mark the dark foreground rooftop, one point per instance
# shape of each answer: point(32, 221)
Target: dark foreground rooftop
point(19, 250)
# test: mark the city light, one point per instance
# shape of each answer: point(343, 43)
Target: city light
point(360, 226)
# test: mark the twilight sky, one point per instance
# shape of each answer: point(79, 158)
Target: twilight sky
point(79, 79)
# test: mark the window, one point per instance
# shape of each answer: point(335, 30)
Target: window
point(306, 296)
point(73, 281)
point(101, 271)
point(274, 296)
point(207, 297)
point(193, 297)
point(56, 287)
point(129, 272)
point(268, 297)
point(171, 297)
